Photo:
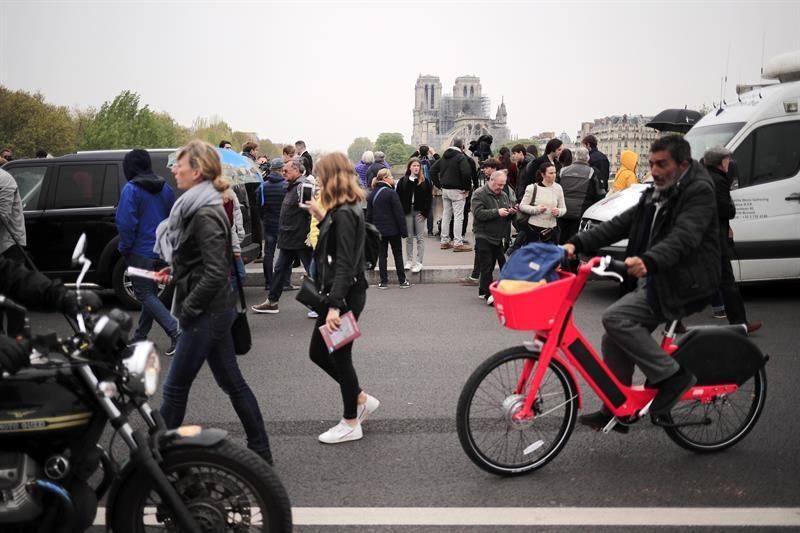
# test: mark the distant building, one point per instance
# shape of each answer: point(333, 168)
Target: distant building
point(617, 133)
point(440, 118)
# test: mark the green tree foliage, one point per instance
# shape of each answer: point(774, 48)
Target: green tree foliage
point(28, 124)
point(358, 147)
point(396, 150)
point(122, 123)
point(385, 140)
point(398, 154)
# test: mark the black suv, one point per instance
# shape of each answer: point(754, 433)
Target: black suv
point(78, 193)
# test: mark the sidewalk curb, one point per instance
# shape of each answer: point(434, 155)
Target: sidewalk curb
point(431, 274)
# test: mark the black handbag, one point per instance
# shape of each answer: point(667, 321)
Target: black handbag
point(309, 296)
point(242, 339)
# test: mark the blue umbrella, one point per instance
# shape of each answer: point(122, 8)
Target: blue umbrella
point(236, 167)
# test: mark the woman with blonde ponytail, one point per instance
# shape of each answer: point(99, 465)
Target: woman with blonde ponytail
point(196, 240)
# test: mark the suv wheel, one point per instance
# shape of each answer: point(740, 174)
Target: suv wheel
point(123, 288)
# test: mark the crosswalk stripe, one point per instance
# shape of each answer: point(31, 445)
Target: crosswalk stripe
point(541, 516)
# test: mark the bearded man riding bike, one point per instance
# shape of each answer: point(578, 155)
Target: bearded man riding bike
point(673, 259)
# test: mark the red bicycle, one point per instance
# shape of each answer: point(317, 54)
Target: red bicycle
point(518, 409)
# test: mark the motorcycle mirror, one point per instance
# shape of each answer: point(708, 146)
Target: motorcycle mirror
point(80, 249)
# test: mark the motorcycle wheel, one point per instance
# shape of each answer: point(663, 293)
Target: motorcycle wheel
point(225, 487)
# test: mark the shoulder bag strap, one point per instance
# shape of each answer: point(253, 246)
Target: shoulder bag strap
point(238, 283)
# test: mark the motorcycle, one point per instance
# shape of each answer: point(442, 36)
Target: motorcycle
point(54, 470)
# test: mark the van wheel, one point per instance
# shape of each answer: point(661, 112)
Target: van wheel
point(123, 288)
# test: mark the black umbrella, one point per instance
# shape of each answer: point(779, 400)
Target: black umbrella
point(677, 120)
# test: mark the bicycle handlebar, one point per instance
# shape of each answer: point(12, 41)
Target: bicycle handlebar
point(607, 267)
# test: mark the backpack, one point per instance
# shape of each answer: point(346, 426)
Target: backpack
point(372, 245)
point(426, 168)
point(533, 262)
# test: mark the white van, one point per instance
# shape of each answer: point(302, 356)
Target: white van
point(762, 129)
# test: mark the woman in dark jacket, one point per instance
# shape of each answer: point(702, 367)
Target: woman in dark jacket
point(384, 210)
point(415, 194)
point(341, 277)
point(196, 241)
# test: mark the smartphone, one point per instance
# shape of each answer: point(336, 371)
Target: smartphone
point(306, 192)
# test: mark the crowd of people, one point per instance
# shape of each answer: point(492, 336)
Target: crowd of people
point(320, 221)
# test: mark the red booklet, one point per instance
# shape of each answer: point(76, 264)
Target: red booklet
point(347, 332)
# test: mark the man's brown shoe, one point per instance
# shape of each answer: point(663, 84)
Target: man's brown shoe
point(462, 248)
point(753, 326)
point(445, 246)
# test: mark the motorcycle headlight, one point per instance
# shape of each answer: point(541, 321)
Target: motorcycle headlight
point(143, 368)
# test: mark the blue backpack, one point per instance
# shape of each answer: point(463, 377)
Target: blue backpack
point(533, 262)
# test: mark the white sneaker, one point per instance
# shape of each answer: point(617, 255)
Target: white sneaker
point(312, 314)
point(490, 300)
point(416, 268)
point(341, 432)
point(367, 408)
point(408, 265)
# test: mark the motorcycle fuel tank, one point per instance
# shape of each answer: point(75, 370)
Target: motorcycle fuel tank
point(40, 407)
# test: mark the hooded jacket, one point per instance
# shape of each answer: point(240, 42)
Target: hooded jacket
point(270, 197)
point(682, 254)
point(626, 175)
point(452, 171)
point(145, 201)
point(726, 210)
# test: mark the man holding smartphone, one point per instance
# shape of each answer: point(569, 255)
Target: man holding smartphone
point(492, 211)
point(293, 226)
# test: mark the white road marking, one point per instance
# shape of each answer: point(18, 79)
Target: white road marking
point(541, 516)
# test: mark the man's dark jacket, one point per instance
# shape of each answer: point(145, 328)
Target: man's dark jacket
point(526, 174)
point(488, 224)
point(308, 163)
point(421, 191)
point(29, 288)
point(202, 264)
point(270, 200)
point(294, 221)
point(384, 210)
point(726, 210)
point(452, 171)
point(599, 162)
point(683, 256)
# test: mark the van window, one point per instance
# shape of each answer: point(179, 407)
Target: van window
point(769, 153)
point(79, 186)
point(29, 184)
point(111, 186)
point(705, 137)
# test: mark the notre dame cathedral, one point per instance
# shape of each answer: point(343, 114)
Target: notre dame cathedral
point(440, 118)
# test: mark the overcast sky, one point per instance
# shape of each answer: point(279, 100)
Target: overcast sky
point(328, 72)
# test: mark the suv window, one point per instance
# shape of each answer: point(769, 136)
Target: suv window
point(769, 153)
point(29, 183)
point(86, 186)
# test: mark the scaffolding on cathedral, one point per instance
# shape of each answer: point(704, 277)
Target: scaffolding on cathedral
point(455, 107)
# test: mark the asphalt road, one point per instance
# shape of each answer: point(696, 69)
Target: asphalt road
point(418, 348)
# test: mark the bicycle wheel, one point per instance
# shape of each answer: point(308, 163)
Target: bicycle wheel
point(490, 436)
point(725, 420)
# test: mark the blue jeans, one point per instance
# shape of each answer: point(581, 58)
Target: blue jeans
point(146, 291)
point(208, 338)
point(270, 243)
